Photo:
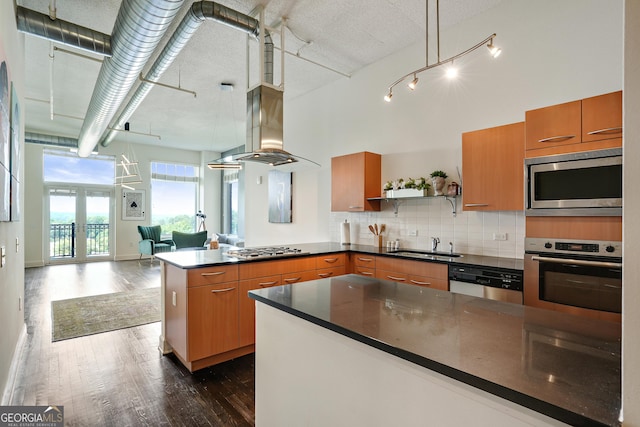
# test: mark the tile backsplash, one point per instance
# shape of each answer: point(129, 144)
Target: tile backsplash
point(422, 218)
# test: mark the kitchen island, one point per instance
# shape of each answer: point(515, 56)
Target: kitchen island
point(208, 318)
point(352, 350)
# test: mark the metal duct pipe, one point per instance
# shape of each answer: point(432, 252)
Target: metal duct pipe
point(137, 31)
point(197, 14)
point(59, 141)
point(41, 25)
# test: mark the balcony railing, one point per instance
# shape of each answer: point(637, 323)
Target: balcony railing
point(62, 240)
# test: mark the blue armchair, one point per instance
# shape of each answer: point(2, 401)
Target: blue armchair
point(151, 242)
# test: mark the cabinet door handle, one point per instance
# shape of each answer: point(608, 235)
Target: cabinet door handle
point(556, 138)
point(355, 207)
point(417, 282)
point(325, 274)
point(215, 291)
point(365, 273)
point(293, 279)
point(606, 131)
point(330, 260)
point(268, 283)
point(365, 259)
point(396, 279)
point(215, 273)
point(474, 205)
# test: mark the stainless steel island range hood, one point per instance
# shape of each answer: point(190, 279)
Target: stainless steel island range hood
point(264, 133)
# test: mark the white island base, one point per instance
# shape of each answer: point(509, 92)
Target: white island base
point(307, 375)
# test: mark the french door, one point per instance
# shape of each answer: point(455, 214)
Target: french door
point(80, 223)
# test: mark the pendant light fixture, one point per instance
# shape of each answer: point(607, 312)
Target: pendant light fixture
point(128, 171)
point(494, 51)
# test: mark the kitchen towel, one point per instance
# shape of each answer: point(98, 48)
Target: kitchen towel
point(345, 233)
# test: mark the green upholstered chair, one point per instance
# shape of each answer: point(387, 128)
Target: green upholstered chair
point(189, 240)
point(151, 242)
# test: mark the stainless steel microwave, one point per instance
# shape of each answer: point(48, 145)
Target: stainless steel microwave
point(587, 183)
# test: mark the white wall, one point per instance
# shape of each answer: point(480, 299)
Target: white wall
point(12, 274)
point(631, 226)
point(299, 365)
point(126, 237)
point(551, 54)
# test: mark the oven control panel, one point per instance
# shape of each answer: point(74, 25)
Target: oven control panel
point(601, 248)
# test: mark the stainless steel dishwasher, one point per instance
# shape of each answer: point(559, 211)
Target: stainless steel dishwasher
point(486, 282)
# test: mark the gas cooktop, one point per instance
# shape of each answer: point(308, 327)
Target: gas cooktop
point(265, 252)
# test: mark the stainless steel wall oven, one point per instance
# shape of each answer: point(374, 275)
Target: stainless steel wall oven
point(582, 276)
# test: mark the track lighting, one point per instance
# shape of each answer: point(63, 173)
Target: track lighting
point(451, 72)
point(413, 83)
point(495, 51)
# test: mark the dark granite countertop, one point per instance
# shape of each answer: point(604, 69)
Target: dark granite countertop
point(199, 258)
point(564, 366)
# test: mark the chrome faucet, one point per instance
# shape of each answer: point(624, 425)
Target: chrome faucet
point(434, 243)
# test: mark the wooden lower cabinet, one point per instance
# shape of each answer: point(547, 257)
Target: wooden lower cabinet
point(247, 317)
point(298, 277)
point(363, 264)
point(325, 273)
point(411, 279)
point(202, 320)
point(420, 273)
point(209, 317)
point(212, 319)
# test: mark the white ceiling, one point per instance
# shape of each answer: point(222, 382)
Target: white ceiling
point(345, 35)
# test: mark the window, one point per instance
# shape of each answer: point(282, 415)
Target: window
point(230, 201)
point(174, 197)
point(65, 166)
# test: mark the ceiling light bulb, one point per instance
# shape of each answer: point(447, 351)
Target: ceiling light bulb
point(388, 96)
point(413, 83)
point(452, 72)
point(494, 51)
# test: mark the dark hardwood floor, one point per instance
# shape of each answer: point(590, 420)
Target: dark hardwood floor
point(119, 378)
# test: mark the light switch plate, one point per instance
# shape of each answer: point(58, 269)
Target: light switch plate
point(3, 256)
point(500, 236)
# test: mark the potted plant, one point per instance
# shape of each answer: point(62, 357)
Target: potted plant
point(438, 179)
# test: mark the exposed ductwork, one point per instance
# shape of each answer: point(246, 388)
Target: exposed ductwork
point(197, 14)
point(137, 31)
point(43, 139)
point(41, 25)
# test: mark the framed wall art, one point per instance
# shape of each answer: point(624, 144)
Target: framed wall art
point(133, 205)
point(280, 201)
point(16, 160)
point(4, 112)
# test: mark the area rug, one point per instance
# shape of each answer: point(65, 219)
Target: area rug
point(77, 317)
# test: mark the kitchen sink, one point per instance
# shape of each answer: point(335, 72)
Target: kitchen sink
point(424, 254)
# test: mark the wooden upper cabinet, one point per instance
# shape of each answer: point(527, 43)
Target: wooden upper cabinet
point(492, 167)
point(589, 124)
point(354, 179)
point(553, 126)
point(602, 117)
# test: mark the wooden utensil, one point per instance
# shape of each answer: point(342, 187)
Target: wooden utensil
point(371, 228)
point(375, 226)
point(382, 228)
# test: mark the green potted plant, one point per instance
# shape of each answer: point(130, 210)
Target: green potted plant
point(411, 187)
point(438, 179)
